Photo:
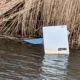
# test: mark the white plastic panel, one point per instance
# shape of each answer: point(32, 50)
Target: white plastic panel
point(56, 39)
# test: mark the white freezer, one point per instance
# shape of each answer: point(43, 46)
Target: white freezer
point(55, 39)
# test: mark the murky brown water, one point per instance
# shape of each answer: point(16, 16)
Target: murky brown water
point(19, 61)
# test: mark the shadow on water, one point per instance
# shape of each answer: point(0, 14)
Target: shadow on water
point(20, 61)
point(74, 65)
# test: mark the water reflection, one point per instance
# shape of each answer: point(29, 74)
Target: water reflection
point(55, 67)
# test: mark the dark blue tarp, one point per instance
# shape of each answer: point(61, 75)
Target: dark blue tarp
point(34, 41)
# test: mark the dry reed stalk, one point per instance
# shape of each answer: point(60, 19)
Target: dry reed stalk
point(26, 17)
point(8, 6)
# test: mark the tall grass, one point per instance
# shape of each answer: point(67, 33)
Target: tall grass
point(27, 17)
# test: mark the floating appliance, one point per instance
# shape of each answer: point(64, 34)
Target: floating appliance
point(56, 39)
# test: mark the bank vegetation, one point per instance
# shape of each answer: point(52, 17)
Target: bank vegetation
point(25, 18)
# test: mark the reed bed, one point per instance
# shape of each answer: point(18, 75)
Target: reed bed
point(27, 17)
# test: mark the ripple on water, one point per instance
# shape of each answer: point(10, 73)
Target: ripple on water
point(19, 61)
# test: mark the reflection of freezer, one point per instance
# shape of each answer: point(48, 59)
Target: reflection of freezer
point(56, 65)
point(56, 39)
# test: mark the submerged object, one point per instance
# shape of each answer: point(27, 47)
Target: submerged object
point(34, 41)
point(56, 39)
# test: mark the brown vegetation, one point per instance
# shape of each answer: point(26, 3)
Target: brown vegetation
point(26, 17)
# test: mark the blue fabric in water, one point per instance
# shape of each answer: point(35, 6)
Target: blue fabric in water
point(34, 41)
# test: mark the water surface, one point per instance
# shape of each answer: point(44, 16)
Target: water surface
point(21, 61)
